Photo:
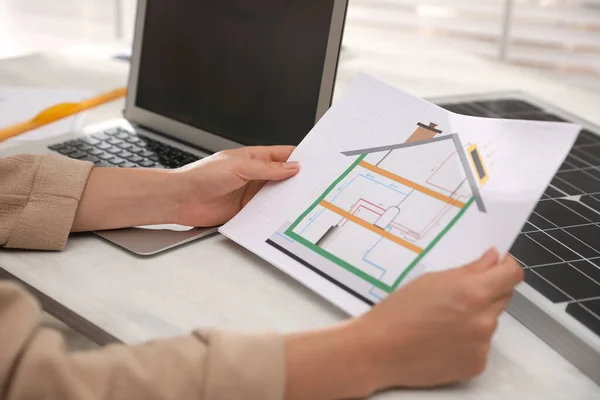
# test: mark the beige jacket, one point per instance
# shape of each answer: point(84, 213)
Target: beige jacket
point(39, 196)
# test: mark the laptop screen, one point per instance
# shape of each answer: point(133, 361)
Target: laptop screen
point(249, 71)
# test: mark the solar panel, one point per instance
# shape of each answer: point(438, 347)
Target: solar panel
point(559, 245)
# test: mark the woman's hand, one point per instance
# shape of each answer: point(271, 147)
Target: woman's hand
point(435, 330)
point(206, 193)
point(216, 188)
point(438, 329)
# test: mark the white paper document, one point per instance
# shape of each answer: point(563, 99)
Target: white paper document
point(19, 104)
point(391, 186)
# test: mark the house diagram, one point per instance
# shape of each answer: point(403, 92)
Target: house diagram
point(376, 221)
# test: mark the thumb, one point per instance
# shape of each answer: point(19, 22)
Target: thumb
point(488, 260)
point(265, 170)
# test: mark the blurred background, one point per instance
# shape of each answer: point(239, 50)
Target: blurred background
point(558, 37)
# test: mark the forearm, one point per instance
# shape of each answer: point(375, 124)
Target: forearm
point(333, 363)
point(118, 198)
point(209, 364)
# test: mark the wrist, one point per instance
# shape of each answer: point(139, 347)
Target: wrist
point(120, 198)
point(361, 348)
point(331, 363)
point(366, 350)
point(167, 188)
point(174, 188)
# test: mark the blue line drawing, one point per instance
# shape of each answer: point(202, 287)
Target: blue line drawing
point(371, 262)
point(382, 184)
point(311, 220)
point(376, 266)
point(378, 297)
point(285, 237)
point(372, 247)
point(370, 178)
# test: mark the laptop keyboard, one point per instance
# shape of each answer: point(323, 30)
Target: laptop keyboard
point(117, 147)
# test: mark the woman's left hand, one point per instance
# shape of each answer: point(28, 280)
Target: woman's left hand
point(216, 188)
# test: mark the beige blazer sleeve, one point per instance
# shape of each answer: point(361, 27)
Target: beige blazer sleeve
point(38, 199)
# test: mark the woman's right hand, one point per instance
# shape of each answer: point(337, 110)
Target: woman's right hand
point(435, 330)
point(438, 329)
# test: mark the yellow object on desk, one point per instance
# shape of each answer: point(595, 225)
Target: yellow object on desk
point(59, 111)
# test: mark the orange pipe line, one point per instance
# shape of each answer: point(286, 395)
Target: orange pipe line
point(412, 184)
point(371, 227)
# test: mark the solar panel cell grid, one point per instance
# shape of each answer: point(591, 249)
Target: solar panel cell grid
point(589, 159)
point(559, 214)
point(565, 187)
point(583, 313)
point(532, 253)
point(573, 243)
point(589, 268)
point(540, 222)
point(552, 193)
point(559, 245)
point(589, 234)
point(544, 287)
point(586, 137)
point(581, 180)
point(594, 150)
point(580, 208)
point(505, 107)
point(570, 280)
point(592, 202)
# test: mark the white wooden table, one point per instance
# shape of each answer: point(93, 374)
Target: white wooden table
point(109, 294)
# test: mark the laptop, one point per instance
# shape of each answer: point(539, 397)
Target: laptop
point(210, 75)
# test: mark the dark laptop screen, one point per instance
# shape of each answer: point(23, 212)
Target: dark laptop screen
point(249, 71)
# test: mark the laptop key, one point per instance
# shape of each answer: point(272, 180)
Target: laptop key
point(78, 154)
point(85, 147)
point(135, 158)
point(90, 159)
point(133, 149)
point(114, 141)
point(117, 161)
point(124, 154)
point(90, 140)
point(67, 150)
point(128, 164)
point(125, 145)
point(100, 136)
point(122, 135)
point(114, 150)
point(57, 146)
point(147, 154)
point(105, 156)
point(133, 139)
point(103, 146)
point(95, 152)
point(147, 139)
point(146, 164)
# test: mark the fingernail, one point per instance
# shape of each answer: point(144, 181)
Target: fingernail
point(291, 165)
point(489, 255)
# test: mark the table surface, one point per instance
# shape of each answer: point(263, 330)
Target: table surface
point(110, 294)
